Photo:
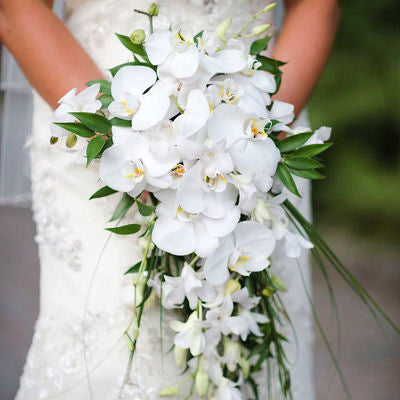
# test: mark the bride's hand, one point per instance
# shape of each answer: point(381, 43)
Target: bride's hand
point(47, 52)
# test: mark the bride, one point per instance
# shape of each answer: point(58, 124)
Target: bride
point(78, 351)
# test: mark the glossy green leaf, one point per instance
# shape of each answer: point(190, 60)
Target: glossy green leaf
point(105, 86)
point(123, 207)
point(94, 147)
point(115, 69)
point(307, 173)
point(126, 123)
point(312, 149)
point(134, 268)
point(77, 128)
point(259, 45)
point(269, 64)
point(134, 48)
point(103, 192)
point(125, 230)
point(93, 121)
point(286, 178)
point(302, 163)
point(294, 142)
point(145, 209)
point(106, 100)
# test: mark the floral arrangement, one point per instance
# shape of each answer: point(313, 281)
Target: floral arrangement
point(191, 122)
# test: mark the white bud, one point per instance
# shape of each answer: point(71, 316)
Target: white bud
point(180, 356)
point(201, 382)
point(257, 30)
point(278, 283)
point(245, 366)
point(170, 391)
point(269, 7)
point(231, 286)
point(223, 28)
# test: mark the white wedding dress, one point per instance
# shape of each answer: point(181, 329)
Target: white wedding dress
point(78, 351)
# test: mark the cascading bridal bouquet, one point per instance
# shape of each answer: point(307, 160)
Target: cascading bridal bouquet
point(190, 121)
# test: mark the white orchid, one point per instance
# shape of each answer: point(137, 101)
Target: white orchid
point(268, 211)
point(175, 53)
point(320, 136)
point(252, 151)
point(132, 101)
point(294, 243)
point(221, 321)
point(243, 298)
point(189, 284)
point(181, 233)
point(227, 390)
point(129, 165)
point(245, 250)
point(85, 101)
point(190, 334)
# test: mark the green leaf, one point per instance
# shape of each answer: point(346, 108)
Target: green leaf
point(125, 230)
point(115, 69)
point(197, 37)
point(293, 142)
point(286, 178)
point(103, 192)
point(269, 64)
point(145, 209)
point(134, 268)
point(134, 48)
point(123, 206)
point(93, 121)
point(126, 123)
point(312, 149)
point(302, 163)
point(105, 86)
point(307, 173)
point(77, 128)
point(259, 45)
point(94, 147)
point(106, 100)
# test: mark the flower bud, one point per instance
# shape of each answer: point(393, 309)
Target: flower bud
point(223, 28)
point(138, 36)
point(201, 382)
point(269, 7)
point(268, 291)
point(128, 341)
point(153, 10)
point(231, 286)
point(245, 366)
point(170, 391)
point(71, 140)
point(135, 332)
point(278, 283)
point(257, 30)
point(180, 356)
point(53, 140)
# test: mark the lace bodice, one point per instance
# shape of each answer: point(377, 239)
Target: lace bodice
point(71, 236)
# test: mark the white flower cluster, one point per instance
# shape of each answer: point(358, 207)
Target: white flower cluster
point(201, 119)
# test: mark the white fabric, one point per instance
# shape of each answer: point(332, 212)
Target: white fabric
point(88, 306)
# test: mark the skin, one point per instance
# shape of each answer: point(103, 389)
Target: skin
point(49, 54)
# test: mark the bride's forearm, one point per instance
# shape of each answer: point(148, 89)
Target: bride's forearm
point(304, 43)
point(49, 55)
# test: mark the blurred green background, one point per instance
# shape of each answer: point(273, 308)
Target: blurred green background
point(359, 96)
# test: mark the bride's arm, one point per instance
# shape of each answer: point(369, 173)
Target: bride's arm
point(305, 41)
point(49, 55)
